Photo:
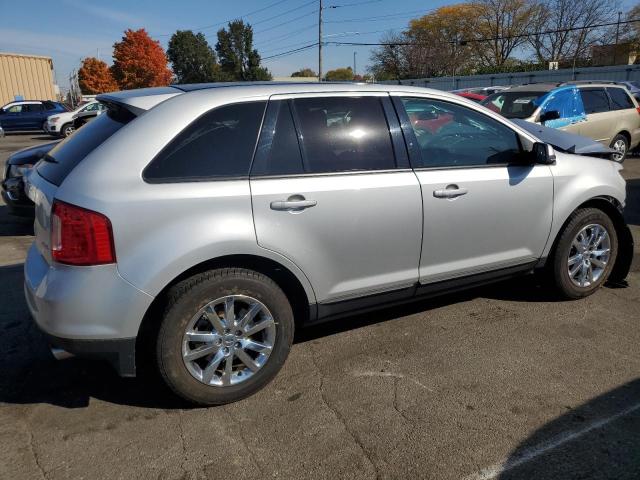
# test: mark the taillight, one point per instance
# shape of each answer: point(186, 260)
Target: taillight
point(80, 236)
point(638, 109)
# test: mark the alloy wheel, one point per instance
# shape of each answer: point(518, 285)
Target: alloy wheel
point(620, 146)
point(228, 340)
point(588, 256)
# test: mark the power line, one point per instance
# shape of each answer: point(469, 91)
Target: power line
point(285, 23)
point(283, 14)
point(354, 4)
point(290, 34)
point(381, 17)
point(305, 42)
point(290, 52)
point(487, 39)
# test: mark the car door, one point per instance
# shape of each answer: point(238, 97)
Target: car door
point(333, 192)
point(601, 123)
point(485, 209)
point(567, 102)
point(12, 117)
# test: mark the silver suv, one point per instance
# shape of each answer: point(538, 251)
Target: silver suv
point(197, 225)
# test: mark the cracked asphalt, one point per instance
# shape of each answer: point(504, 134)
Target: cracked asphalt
point(497, 382)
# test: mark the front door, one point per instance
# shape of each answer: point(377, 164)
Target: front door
point(484, 209)
point(333, 193)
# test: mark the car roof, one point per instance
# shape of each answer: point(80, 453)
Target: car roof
point(143, 99)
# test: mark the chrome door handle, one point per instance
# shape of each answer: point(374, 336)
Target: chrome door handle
point(452, 191)
point(292, 205)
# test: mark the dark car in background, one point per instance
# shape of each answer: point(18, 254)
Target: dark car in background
point(18, 165)
point(28, 114)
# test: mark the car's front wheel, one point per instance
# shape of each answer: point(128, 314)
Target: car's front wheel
point(224, 335)
point(585, 253)
point(66, 130)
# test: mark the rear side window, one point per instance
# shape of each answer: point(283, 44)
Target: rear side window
point(278, 151)
point(62, 159)
point(32, 107)
point(344, 134)
point(595, 100)
point(620, 99)
point(218, 144)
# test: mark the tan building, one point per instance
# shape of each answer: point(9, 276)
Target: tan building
point(29, 76)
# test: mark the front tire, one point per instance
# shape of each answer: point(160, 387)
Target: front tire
point(225, 334)
point(584, 254)
point(66, 130)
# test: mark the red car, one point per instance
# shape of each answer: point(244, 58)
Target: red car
point(476, 97)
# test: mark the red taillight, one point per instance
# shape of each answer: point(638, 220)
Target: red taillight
point(80, 236)
point(638, 109)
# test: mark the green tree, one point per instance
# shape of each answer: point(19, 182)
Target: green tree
point(238, 59)
point(305, 72)
point(193, 60)
point(339, 74)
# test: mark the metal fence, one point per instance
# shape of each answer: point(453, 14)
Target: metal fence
point(613, 73)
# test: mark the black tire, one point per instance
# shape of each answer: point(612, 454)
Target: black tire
point(620, 138)
point(559, 261)
point(64, 133)
point(186, 299)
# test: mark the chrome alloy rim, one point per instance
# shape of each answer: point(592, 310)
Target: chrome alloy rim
point(621, 148)
point(228, 340)
point(588, 256)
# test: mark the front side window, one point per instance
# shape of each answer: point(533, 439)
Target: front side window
point(595, 100)
point(342, 134)
point(620, 99)
point(16, 109)
point(218, 144)
point(451, 135)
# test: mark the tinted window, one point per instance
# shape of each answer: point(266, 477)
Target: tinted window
point(278, 150)
point(513, 104)
point(50, 106)
point(451, 135)
point(620, 99)
point(32, 107)
point(344, 134)
point(71, 151)
point(595, 100)
point(218, 144)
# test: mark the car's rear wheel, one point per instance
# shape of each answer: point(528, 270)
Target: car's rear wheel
point(585, 253)
point(620, 144)
point(224, 335)
point(66, 130)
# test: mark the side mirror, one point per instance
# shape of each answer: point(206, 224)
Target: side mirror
point(549, 115)
point(543, 153)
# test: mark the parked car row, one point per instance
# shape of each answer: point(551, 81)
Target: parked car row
point(251, 209)
point(607, 112)
point(52, 117)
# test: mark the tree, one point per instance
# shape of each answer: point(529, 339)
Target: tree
point(139, 61)
point(305, 72)
point(339, 74)
point(193, 60)
point(561, 18)
point(502, 27)
point(95, 77)
point(238, 59)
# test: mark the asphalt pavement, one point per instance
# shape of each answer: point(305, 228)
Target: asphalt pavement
point(498, 382)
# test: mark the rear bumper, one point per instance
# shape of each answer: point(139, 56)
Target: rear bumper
point(86, 310)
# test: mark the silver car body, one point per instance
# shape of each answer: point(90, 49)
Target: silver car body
point(370, 232)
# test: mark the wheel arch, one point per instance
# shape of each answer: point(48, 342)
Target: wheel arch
point(613, 208)
point(293, 288)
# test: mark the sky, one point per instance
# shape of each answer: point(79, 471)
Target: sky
point(69, 30)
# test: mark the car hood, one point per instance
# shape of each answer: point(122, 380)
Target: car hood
point(30, 154)
point(565, 141)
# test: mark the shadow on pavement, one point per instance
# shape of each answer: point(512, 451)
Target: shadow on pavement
point(597, 440)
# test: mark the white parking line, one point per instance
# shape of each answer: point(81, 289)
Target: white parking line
point(531, 453)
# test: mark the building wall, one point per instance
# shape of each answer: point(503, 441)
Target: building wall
point(28, 75)
point(614, 73)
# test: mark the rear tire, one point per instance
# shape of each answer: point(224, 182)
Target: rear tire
point(620, 144)
point(219, 309)
point(584, 254)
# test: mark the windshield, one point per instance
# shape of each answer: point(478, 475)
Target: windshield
point(513, 104)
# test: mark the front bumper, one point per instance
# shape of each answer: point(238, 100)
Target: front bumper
point(14, 196)
point(86, 310)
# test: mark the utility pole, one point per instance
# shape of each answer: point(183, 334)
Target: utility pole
point(354, 63)
point(320, 42)
point(618, 28)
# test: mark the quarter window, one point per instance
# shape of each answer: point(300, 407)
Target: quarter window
point(344, 134)
point(595, 100)
point(218, 144)
point(451, 135)
point(620, 99)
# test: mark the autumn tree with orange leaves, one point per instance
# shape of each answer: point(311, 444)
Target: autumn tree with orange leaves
point(95, 77)
point(139, 61)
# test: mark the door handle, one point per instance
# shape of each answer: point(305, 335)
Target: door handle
point(451, 191)
point(294, 203)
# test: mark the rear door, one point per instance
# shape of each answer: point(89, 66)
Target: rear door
point(333, 192)
point(627, 114)
point(601, 122)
